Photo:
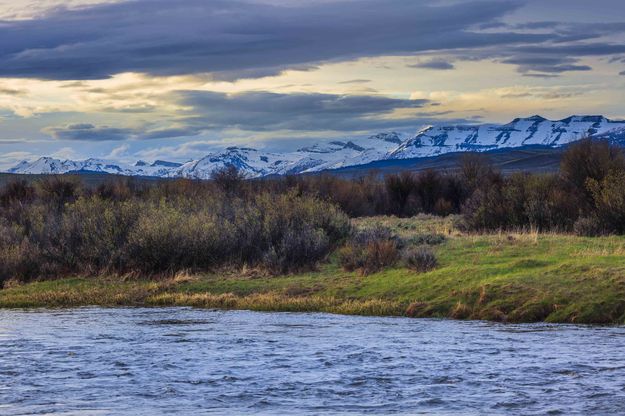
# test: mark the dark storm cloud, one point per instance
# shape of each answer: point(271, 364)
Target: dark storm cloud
point(12, 91)
point(571, 31)
point(577, 50)
point(89, 132)
point(537, 25)
point(555, 59)
point(265, 111)
point(172, 132)
point(493, 25)
point(570, 43)
point(256, 111)
point(538, 75)
point(434, 64)
point(355, 81)
point(545, 64)
point(233, 39)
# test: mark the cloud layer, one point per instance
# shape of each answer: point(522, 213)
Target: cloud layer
point(257, 112)
point(266, 111)
point(129, 76)
point(232, 38)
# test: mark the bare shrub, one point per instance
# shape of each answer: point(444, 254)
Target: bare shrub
point(608, 197)
point(229, 179)
point(400, 188)
point(421, 259)
point(117, 190)
point(296, 250)
point(590, 159)
point(428, 239)
point(588, 227)
point(474, 167)
point(370, 251)
point(57, 190)
point(17, 192)
point(125, 230)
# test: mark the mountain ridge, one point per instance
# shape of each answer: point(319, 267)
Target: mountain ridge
point(337, 154)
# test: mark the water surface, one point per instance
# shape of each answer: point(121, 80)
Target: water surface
point(139, 361)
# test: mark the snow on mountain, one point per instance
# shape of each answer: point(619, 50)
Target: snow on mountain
point(44, 165)
point(534, 130)
point(253, 163)
point(51, 165)
point(358, 152)
point(315, 158)
point(430, 141)
point(166, 164)
point(48, 165)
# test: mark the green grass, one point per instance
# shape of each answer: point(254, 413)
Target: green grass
point(516, 277)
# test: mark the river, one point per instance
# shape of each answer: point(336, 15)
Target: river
point(138, 361)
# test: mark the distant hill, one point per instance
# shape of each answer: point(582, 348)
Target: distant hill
point(536, 159)
point(89, 179)
point(532, 137)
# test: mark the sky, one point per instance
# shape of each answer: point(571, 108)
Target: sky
point(131, 80)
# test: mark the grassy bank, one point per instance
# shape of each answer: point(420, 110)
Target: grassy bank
point(513, 277)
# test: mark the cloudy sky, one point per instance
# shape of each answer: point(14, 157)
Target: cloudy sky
point(164, 79)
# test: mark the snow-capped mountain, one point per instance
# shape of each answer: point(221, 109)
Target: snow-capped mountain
point(534, 130)
point(252, 162)
point(429, 141)
point(339, 154)
point(48, 165)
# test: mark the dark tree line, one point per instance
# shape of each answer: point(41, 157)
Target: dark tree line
point(58, 226)
point(586, 196)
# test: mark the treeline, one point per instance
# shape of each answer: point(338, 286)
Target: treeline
point(586, 196)
point(56, 226)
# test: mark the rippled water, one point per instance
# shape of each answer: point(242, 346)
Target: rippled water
point(188, 361)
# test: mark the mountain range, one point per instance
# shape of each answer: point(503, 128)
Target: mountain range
point(427, 142)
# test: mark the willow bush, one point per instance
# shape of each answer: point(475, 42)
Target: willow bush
point(162, 232)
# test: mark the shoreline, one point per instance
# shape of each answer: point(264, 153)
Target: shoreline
point(259, 302)
point(504, 277)
point(34, 309)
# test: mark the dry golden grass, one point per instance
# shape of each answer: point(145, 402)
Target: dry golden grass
point(275, 301)
point(407, 227)
point(66, 293)
point(184, 277)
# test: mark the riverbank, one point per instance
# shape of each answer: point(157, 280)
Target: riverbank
point(511, 277)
